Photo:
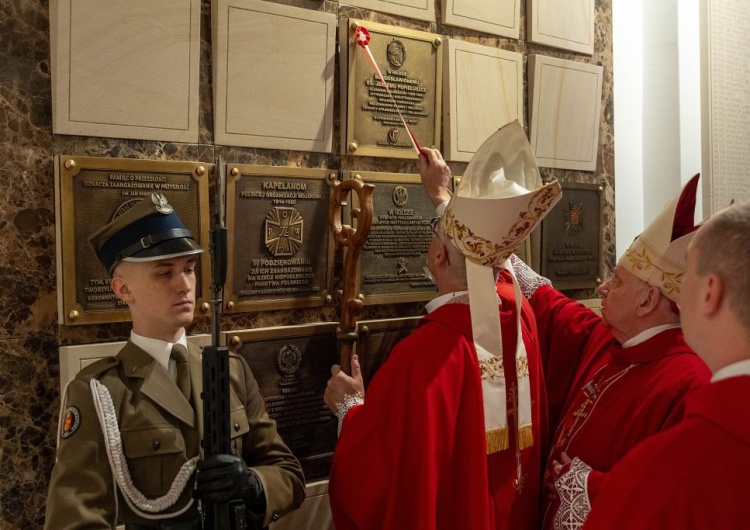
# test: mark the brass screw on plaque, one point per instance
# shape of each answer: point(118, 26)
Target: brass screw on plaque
point(328, 299)
point(353, 146)
point(437, 42)
point(235, 341)
point(332, 177)
point(598, 281)
point(200, 170)
point(600, 189)
point(73, 315)
point(235, 171)
point(355, 25)
point(205, 307)
point(70, 164)
point(230, 305)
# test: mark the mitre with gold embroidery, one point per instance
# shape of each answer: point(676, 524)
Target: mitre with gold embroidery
point(658, 255)
point(498, 202)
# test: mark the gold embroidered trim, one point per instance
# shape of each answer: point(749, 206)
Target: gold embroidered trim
point(497, 439)
point(642, 261)
point(491, 369)
point(525, 436)
point(522, 366)
point(485, 252)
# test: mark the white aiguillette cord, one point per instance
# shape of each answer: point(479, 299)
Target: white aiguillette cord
point(142, 506)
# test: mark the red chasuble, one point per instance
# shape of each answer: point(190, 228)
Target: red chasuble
point(690, 477)
point(413, 456)
point(605, 399)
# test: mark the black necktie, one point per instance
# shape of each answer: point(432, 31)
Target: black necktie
point(179, 354)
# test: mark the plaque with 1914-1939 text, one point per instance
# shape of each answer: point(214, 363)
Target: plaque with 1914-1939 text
point(280, 250)
point(292, 365)
point(90, 192)
point(394, 257)
point(571, 238)
point(411, 64)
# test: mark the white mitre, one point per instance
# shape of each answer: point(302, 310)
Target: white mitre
point(659, 255)
point(498, 202)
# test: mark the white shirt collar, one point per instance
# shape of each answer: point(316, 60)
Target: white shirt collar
point(643, 336)
point(159, 349)
point(732, 370)
point(441, 300)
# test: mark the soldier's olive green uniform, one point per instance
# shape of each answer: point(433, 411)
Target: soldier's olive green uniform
point(160, 431)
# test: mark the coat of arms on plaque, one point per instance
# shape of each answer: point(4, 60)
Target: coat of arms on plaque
point(574, 217)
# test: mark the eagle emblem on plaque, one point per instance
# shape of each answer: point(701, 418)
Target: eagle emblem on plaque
point(283, 231)
point(288, 361)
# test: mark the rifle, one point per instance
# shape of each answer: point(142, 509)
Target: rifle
point(215, 395)
point(353, 239)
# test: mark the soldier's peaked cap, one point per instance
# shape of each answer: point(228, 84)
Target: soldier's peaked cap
point(149, 231)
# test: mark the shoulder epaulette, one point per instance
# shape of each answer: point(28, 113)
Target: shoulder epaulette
point(97, 368)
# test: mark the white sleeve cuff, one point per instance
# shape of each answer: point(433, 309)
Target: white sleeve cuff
point(342, 408)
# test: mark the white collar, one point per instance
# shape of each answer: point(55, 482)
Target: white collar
point(732, 370)
point(441, 300)
point(159, 349)
point(643, 336)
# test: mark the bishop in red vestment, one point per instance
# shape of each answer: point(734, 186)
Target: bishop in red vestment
point(694, 475)
point(616, 380)
point(450, 434)
point(604, 399)
point(414, 456)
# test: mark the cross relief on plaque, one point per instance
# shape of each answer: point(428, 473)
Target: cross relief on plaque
point(284, 231)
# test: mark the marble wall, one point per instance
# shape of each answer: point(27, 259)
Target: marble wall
point(29, 334)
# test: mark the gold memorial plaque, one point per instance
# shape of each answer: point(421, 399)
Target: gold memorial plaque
point(571, 238)
point(292, 365)
point(376, 340)
point(394, 257)
point(280, 250)
point(89, 193)
point(411, 63)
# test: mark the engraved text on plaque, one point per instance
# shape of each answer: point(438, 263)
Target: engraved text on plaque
point(280, 254)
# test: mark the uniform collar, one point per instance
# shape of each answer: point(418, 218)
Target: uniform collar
point(157, 348)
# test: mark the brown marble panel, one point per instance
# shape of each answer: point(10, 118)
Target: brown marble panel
point(29, 337)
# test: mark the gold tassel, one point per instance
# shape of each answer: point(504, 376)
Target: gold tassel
point(525, 436)
point(497, 439)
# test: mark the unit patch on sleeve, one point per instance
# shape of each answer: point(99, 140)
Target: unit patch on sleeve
point(71, 422)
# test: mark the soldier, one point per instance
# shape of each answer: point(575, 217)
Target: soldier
point(130, 434)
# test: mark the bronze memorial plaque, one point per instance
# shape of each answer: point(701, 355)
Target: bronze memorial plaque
point(292, 366)
point(411, 64)
point(571, 238)
point(89, 193)
point(395, 254)
point(376, 339)
point(280, 248)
